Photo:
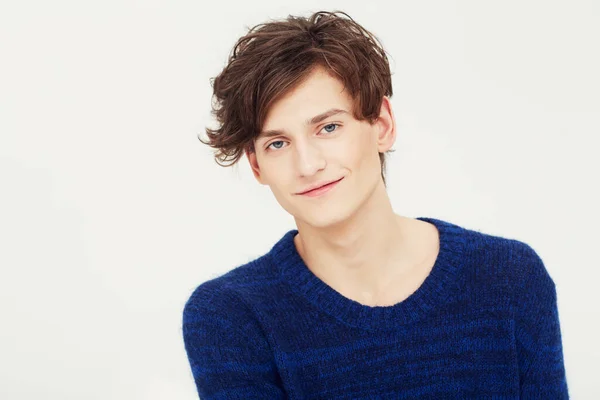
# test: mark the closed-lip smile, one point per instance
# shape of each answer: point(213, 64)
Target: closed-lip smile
point(318, 186)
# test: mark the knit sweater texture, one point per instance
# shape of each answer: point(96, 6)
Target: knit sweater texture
point(483, 324)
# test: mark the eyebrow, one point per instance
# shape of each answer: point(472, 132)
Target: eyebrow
point(311, 121)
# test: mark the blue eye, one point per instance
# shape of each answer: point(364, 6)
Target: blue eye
point(277, 141)
point(269, 147)
point(336, 125)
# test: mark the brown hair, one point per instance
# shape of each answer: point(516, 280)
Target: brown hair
point(274, 57)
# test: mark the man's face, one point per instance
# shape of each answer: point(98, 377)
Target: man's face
point(302, 154)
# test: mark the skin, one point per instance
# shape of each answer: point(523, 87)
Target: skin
point(350, 237)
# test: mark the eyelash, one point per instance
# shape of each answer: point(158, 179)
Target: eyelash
point(268, 148)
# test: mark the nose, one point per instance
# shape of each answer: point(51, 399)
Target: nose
point(309, 158)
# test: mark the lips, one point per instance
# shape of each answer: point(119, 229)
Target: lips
point(321, 189)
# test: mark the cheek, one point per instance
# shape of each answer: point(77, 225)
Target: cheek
point(277, 175)
point(361, 152)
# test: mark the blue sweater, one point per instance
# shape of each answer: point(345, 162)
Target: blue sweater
point(483, 324)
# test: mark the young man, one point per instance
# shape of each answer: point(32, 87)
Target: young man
point(358, 301)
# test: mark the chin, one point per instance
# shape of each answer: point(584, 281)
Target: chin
point(323, 217)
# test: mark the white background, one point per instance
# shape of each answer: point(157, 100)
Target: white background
point(112, 211)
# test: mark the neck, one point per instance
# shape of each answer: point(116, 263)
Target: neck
point(362, 252)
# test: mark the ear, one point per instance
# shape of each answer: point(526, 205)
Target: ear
point(251, 156)
point(386, 126)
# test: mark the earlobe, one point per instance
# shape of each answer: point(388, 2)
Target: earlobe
point(387, 126)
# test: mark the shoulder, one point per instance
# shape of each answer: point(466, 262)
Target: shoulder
point(232, 293)
point(223, 287)
point(223, 338)
point(215, 314)
point(513, 257)
point(492, 258)
point(245, 288)
point(508, 262)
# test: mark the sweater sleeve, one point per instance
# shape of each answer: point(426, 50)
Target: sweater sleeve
point(537, 330)
point(228, 352)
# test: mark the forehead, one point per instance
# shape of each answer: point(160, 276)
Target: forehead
point(319, 92)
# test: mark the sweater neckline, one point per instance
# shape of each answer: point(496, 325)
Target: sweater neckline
point(434, 290)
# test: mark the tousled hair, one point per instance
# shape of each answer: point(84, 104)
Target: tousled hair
point(274, 57)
